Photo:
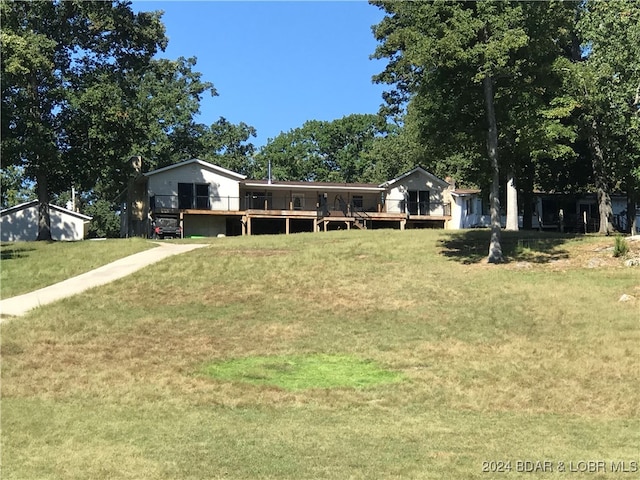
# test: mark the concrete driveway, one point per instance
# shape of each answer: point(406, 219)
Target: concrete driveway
point(21, 304)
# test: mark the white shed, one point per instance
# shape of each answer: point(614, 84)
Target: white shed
point(20, 223)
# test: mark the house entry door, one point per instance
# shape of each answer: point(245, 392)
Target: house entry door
point(419, 202)
point(423, 202)
point(413, 202)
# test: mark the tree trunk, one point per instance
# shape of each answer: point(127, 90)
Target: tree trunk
point(512, 203)
point(602, 185)
point(495, 248)
point(44, 219)
point(632, 204)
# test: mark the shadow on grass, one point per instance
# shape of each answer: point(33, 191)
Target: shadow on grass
point(472, 246)
point(8, 251)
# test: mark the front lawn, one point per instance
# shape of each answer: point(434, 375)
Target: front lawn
point(361, 354)
point(27, 266)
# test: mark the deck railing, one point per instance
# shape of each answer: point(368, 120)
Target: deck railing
point(174, 203)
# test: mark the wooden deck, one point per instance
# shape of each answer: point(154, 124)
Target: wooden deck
point(321, 222)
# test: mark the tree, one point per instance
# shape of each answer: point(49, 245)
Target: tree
point(114, 114)
point(13, 189)
point(323, 151)
point(604, 80)
point(50, 49)
point(227, 145)
point(474, 43)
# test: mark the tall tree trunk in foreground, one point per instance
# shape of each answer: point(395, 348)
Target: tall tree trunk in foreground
point(602, 185)
point(495, 248)
point(512, 202)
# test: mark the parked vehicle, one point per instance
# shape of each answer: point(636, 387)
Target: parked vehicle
point(164, 227)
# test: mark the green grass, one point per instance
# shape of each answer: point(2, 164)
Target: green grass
point(532, 360)
point(27, 266)
point(302, 372)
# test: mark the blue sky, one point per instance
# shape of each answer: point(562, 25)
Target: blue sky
point(276, 65)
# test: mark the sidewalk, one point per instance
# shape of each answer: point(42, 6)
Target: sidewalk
point(21, 304)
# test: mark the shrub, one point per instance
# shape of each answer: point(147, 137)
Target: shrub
point(621, 247)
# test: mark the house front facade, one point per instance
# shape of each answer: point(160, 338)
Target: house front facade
point(209, 201)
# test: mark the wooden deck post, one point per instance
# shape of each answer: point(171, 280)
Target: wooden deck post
point(287, 225)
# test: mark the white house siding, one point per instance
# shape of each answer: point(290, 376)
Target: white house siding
point(224, 192)
point(417, 181)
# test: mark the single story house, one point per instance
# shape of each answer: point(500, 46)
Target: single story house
point(20, 223)
point(210, 200)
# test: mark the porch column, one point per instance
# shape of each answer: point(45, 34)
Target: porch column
point(287, 225)
point(248, 225)
point(181, 224)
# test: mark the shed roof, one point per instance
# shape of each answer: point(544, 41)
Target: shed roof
point(33, 203)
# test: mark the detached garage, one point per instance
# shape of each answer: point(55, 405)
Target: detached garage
point(20, 223)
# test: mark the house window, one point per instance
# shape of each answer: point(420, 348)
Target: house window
point(193, 195)
point(298, 202)
point(202, 196)
point(471, 206)
point(486, 207)
point(357, 202)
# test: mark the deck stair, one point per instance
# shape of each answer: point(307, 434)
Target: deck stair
point(360, 219)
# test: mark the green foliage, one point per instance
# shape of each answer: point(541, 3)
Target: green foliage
point(52, 52)
point(437, 59)
point(322, 151)
point(82, 93)
point(13, 187)
point(620, 246)
point(105, 222)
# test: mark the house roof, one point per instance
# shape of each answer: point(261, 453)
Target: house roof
point(371, 187)
point(465, 192)
point(203, 164)
point(33, 203)
point(411, 172)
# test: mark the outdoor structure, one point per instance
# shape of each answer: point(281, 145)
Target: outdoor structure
point(210, 201)
point(20, 223)
point(576, 212)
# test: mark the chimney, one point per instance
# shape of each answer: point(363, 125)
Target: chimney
point(451, 182)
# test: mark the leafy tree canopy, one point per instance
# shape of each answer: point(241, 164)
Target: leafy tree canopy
point(322, 151)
